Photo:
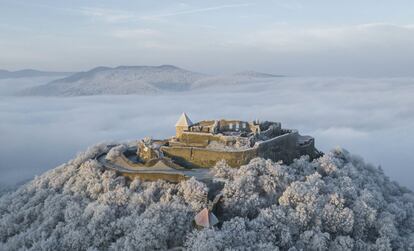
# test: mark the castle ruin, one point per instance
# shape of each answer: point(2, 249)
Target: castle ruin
point(196, 147)
point(203, 144)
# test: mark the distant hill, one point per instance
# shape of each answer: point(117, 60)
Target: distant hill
point(137, 80)
point(255, 74)
point(119, 80)
point(29, 73)
point(239, 78)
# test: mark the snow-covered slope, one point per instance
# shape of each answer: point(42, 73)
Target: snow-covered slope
point(336, 202)
point(140, 80)
point(119, 80)
point(240, 78)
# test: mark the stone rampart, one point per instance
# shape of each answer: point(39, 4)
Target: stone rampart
point(199, 139)
point(309, 149)
point(282, 147)
point(207, 158)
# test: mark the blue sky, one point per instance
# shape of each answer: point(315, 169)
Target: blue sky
point(356, 38)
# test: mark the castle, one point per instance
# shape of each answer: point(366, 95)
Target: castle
point(203, 144)
point(196, 147)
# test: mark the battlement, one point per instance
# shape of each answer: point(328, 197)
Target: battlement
point(224, 127)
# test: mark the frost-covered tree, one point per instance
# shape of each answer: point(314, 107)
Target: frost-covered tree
point(336, 202)
point(116, 152)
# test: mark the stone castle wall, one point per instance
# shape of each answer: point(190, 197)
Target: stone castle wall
point(195, 157)
point(309, 149)
point(199, 139)
point(233, 125)
point(282, 147)
point(191, 147)
point(223, 125)
point(196, 139)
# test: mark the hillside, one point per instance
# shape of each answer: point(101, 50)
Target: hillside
point(29, 73)
point(337, 202)
point(139, 80)
point(236, 79)
point(119, 80)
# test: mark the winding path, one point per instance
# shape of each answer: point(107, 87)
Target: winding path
point(199, 173)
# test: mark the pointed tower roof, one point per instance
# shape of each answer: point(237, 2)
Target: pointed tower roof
point(205, 218)
point(184, 120)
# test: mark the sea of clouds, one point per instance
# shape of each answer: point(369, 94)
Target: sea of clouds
point(371, 117)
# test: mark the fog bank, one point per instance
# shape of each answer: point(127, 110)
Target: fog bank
point(371, 117)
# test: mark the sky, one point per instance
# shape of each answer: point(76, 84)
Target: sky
point(370, 38)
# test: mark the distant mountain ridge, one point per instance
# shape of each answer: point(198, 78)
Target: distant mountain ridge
point(26, 73)
point(123, 80)
point(257, 74)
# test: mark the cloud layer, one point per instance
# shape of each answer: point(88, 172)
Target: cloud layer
point(371, 117)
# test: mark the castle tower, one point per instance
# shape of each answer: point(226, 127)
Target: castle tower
point(145, 152)
point(183, 124)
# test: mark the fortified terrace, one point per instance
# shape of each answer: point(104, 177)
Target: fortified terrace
point(196, 147)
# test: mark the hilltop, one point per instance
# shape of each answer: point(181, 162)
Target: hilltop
point(336, 202)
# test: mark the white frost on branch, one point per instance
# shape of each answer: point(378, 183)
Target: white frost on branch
point(116, 152)
point(336, 202)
